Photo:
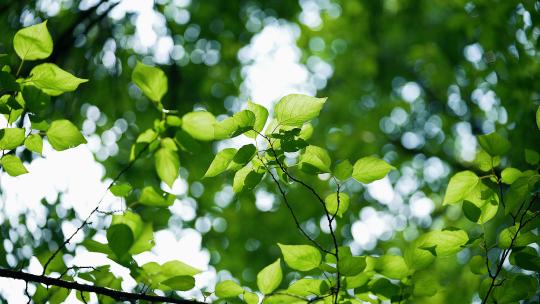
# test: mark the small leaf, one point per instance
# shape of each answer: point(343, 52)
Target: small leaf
point(459, 186)
point(343, 170)
point(509, 175)
point(251, 298)
point(120, 238)
point(34, 143)
point(296, 109)
point(230, 127)
point(301, 257)
point(228, 289)
point(151, 80)
point(332, 205)
point(370, 168)
point(269, 278)
point(121, 190)
point(33, 42)
point(62, 135)
point(261, 115)
point(13, 165)
point(180, 283)
point(494, 144)
point(472, 213)
point(532, 157)
point(167, 165)
point(11, 138)
point(53, 80)
point(173, 121)
point(200, 125)
point(220, 163)
point(308, 287)
point(150, 197)
point(246, 179)
point(315, 160)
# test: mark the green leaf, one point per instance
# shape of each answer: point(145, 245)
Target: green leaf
point(519, 191)
point(120, 238)
point(370, 168)
point(485, 162)
point(242, 157)
point(150, 197)
point(308, 287)
point(180, 283)
point(350, 265)
point(220, 163)
point(246, 179)
point(11, 138)
point(296, 109)
point(392, 266)
point(62, 135)
point(494, 144)
point(228, 289)
point(459, 186)
point(121, 190)
point(538, 117)
point(261, 115)
point(332, 205)
point(301, 257)
point(33, 42)
point(13, 165)
point(482, 202)
point(173, 121)
point(239, 123)
point(53, 80)
point(200, 125)
point(471, 212)
point(151, 80)
point(478, 265)
point(315, 160)
point(251, 298)
point(36, 100)
point(269, 278)
point(34, 143)
point(509, 175)
point(443, 243)
point(167, 165)
point(519, 238)
point(532, 157)
point(527, 259)
point(343, 170)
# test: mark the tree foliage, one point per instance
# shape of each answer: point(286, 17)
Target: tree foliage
point(484, 235)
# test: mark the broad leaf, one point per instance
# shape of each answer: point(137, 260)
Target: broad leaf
point(509, 175)
point(392, 266)
point(151, 80)
point(246, 179)
point(33, 42)
point(13, 165)
point(296, 109)
point(150, 197)
point(220, 163)
point(370, 168)
point(180, 283)
point(11, 138)
point(62, 135)
point(121, 190)
point(239, 123)
point(120, 238)
point(53, 80)
point(34, 143)
point(269, 278)
point(343, 170)
point(228, 289)
point(308, 287)
point(301, 257)
point(459, 186)
point(261, 115)
point(494, 144)
point(315, 160)
point(337, 207)
point(200, 125)
point(167, 165)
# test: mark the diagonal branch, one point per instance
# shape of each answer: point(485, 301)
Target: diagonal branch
point(115, 294)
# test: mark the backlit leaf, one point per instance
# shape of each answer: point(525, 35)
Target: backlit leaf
point(369, 169)
point(62, 135)
point(33, 42)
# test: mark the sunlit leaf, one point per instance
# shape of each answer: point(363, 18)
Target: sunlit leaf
point(269, 278)
point(13, 165)
point(494, 144)
point(200, 125)
point(296, 109)
point(459, 186)
point(62, 135)
point(315, 160)
point(151, 80)
point(228, 289)
point(11, 138)
point(261, 115)
point(337, 207)
point(301, 257)
point(120, 238)
point(33, 42)
point(34, 143)
point(369, 169)
point(53, 80)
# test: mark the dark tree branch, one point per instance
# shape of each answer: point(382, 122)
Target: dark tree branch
point(115, 294)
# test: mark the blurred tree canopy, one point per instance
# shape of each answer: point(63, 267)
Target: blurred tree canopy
point(413, 82)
